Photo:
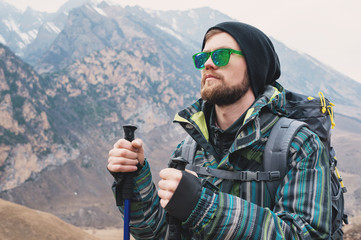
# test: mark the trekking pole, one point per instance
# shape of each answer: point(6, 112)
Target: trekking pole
point(174, 223)
point(127, 189)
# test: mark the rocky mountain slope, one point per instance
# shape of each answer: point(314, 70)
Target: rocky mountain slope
point(111, 65)
point(25, 127)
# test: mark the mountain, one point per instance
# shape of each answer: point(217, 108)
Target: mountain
point(84, 105)
point(91, 28)
point(25, 127)
point(19, 222)
point(190, 24)
point(29, 33)
point(13, 31)
point(19, 29)
point(111, 65)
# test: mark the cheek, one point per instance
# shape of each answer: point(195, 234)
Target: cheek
point(202, 77)
point(238, 74)
point(234, 78)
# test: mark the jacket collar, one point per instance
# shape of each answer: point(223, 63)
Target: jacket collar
point(194, 119)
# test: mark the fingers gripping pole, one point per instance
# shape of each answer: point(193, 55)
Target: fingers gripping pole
point(127, 190)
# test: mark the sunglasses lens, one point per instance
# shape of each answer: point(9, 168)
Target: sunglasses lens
point(220, 57)
point(200, 59)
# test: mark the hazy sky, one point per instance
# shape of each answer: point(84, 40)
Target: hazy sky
point(329, 30)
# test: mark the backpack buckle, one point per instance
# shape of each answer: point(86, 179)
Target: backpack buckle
point(274, 175)
point(260, 176)
point(248, 176)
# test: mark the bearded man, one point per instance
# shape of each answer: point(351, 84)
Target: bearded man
point(231, 123)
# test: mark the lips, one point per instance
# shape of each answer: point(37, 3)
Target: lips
point(210, 78)
point(207, 77)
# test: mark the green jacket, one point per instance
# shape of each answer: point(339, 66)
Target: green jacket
point(302, 208)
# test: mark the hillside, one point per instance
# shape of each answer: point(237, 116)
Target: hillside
point(18, 222)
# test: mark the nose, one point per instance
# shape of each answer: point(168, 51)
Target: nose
point(209, 64)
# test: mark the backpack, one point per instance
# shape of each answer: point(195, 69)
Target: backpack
point(317, 115)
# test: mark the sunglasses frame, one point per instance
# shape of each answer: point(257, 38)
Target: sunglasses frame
point(211, 54)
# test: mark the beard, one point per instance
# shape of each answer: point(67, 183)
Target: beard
point(224, 95)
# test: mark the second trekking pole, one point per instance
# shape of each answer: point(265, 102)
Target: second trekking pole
point(174, 223)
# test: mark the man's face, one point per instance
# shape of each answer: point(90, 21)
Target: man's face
point(227, 84)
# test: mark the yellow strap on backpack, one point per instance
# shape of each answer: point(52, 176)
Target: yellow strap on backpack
point(344, 189)
point(327, 108)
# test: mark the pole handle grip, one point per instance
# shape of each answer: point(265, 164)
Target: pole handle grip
point(127, 188)
point(129, 130)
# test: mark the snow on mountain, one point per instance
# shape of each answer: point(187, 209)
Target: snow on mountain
point(170, 31)
point(2, 40)
point(51, 27)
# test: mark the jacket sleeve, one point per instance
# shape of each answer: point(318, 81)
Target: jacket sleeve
point(147, 216)
point(302, 210)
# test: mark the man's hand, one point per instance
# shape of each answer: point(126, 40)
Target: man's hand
point(168, 184)
point(125, 156)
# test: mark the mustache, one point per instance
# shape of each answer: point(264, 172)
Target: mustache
point(210, 74)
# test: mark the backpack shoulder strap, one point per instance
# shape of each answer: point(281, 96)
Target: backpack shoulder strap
point(276, 150)
point(189, 149)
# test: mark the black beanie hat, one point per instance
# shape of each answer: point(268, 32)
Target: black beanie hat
point(262, 61)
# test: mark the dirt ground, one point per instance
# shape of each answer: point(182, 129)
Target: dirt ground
point(107, 234)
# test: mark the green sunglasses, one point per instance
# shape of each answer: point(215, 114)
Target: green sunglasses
point(220, 57)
